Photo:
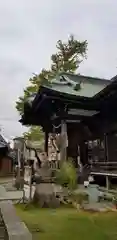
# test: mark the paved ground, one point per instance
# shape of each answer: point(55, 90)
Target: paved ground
point(5, 179)
point(100, 206)
point(9, 195)
point(93, 204)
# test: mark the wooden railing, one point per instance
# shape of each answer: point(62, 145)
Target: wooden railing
point(103, 166)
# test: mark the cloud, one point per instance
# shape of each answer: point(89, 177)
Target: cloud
point(29, 31)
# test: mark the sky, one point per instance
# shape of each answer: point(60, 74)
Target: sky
point(29, 30)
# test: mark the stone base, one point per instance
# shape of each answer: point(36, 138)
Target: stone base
point(45, 197)
point(19, 183)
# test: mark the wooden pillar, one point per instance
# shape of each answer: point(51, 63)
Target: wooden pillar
point(19, 157)
point(46, 143)
point(107, 182)
point(83, 153)
point(63, 150)
point(106, 147)
point(30, 184)
point(73, 140)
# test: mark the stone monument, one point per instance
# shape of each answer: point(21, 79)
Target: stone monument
point(44, 194)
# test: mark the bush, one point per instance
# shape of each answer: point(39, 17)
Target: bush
point(105, 197)
point(115, 199)
point(80, 197)
point(67, 176)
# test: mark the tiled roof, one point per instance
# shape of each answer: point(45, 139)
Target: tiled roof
point(77, 85)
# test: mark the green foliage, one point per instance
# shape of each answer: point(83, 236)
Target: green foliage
point(69, 55)
point(114, 199)
point(33, 87)
point(105, 197)
point(80, 197)
point(35, 133)
point(67, 59)
point(67, 176)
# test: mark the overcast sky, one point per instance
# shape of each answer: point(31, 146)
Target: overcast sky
point(29, 30)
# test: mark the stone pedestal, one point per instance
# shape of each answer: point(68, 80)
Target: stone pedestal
point(44, 194)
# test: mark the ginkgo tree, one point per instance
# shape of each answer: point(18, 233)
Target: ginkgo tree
point(68, 57)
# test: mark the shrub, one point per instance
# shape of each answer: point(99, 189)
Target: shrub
point(80, 197)
point(115, 199)
point(77, 199)
point(67, 176)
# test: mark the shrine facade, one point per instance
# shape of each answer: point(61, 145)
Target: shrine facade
point(83, 110)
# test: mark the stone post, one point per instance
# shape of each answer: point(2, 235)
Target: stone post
point(30, 185)
point(107, 182)
point(63, 150)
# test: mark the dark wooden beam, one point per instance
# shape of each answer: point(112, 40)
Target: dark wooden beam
point(46, 142)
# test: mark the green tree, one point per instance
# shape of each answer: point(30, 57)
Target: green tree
point(67, 59)
point(34, 133)
point(67, 176)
